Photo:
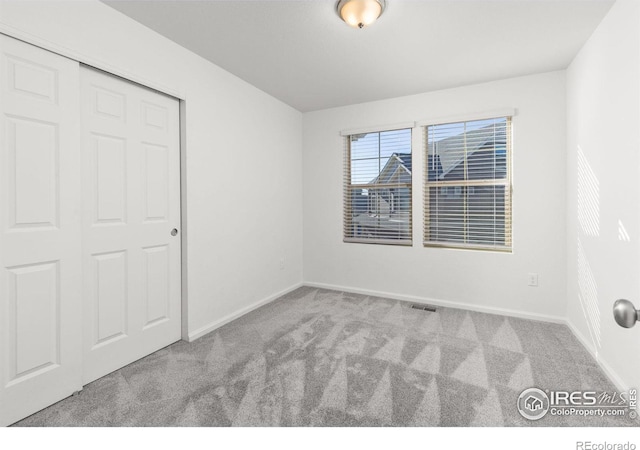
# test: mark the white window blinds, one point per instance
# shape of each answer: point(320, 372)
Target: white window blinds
point(377, 187)
point(467, 197)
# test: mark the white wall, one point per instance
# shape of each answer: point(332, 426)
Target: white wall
point(482, 280)
point(603, 126)
point(243, 153)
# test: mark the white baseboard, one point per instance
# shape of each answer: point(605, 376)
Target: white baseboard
point(444, 303)
point(241, 312)
point(606, 368)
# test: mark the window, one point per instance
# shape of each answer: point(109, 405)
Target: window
point(467, 197)
point(377, 187)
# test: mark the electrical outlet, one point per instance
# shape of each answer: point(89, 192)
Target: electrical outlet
point(533, 279)
point(282, 263)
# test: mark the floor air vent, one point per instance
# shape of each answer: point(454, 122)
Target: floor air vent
point(424, 308)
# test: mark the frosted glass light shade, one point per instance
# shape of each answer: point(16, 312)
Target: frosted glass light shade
point(360, 13)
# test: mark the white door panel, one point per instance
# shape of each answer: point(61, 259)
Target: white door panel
point(40, 225)
point(131, 203)
point(89, 193)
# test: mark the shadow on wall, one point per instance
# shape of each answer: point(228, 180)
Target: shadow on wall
point(588, 296)
point(588, 197)
point(589, 223)
point(622, 232)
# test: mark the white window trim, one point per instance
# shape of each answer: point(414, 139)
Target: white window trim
point(377, 129)
point(469, 117)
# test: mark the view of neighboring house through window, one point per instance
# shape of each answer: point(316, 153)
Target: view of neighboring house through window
point(377, 190)
point(468, 184)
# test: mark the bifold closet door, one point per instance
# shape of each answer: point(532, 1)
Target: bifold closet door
point(131, 205)
point(40, 228)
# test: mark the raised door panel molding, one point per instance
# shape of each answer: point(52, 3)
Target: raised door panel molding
point(33, 181)
point(32, 79)
point(156, 182)
point(33, 320)
point(110, 174)
point(111, 300)
point(156, 261)
point(154, 116)
point(110, 104)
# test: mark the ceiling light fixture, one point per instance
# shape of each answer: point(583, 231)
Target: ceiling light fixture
point(360, 13)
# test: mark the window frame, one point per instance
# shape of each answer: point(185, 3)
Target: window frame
point(348, 189)
point(506, 182)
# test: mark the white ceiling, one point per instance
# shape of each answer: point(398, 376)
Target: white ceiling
point(303, 54)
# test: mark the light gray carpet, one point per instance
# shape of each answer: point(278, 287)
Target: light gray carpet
point(325, 358)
